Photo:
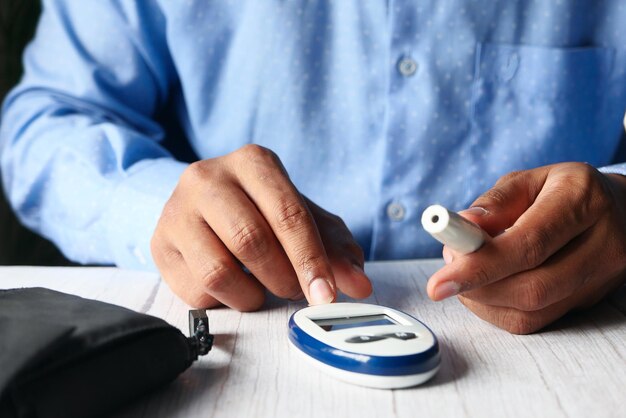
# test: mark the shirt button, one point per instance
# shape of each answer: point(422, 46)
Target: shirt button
point(396, 211)
point(407, 66)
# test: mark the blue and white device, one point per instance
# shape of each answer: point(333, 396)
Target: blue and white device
point(367, 345)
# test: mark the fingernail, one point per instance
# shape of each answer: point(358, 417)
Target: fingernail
point(475, 211)
point(447, 257)
point(320, 292)
point(447, 289)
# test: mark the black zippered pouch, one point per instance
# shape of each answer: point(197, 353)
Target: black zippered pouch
point(66, 356)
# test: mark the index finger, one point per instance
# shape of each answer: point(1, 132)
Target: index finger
point(265, 181)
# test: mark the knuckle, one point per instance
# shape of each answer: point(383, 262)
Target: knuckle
point(585, 170)
point(286, 290)
point(262, 163)
point(533, 295)
point(201, 300)
point(519, 323)
point(509, 177)
point(170, 213)
point(194, 173)
point(168, 256)
point(249, 243)
point(575, 189)
point(585, 189)
point(494, 196)
point(215, 276)
point(479, 277)
point(309, 262)
point(535, 245)
point(291, 215)
point(257, 152)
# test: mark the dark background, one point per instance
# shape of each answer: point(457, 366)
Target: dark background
point(18, 19)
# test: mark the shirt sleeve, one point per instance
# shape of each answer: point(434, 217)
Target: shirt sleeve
point(81, 157)
point(614, 169)
point(619, 168)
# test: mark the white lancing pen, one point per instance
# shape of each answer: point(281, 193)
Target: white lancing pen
point(452, 229)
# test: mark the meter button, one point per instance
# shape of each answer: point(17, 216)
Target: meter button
point(400, 335)
point(365, 338)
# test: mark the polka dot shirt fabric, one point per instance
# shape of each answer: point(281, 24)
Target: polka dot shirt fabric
point(377, 109)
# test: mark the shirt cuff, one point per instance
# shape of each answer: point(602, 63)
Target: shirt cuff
point(614, 169)
point(135, 209)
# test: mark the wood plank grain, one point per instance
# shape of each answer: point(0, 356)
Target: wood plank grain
point(575, 368)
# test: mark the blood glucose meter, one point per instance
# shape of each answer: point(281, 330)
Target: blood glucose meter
point(367, 345)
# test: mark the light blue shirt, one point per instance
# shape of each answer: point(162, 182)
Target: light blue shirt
point(376, 108)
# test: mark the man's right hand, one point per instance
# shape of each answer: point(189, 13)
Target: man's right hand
point(242, 209)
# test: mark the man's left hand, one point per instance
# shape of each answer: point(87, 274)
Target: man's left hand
point(558, 243)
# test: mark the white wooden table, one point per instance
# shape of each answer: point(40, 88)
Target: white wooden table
point(575, 368)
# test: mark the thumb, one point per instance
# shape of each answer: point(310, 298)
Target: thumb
point(499, 207)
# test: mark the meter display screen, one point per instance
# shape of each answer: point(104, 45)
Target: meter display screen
point(334, 324)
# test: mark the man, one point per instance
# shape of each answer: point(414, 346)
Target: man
point(374, 110)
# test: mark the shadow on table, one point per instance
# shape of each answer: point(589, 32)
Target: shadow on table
point(603, 315)
point(453, 367)
point(183, 395)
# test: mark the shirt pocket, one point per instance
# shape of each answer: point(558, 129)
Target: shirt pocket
point(532, 106)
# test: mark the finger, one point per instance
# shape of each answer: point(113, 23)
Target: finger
point(176, 274)
point(500, 207)
point(265, 181)
point(447, 254)
point(516, 321)
point(345, 255)
point(346, 260)
point(350, 277)
point(558, 278)
point(246, 234)
point(215, 270)
point(557, 216)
